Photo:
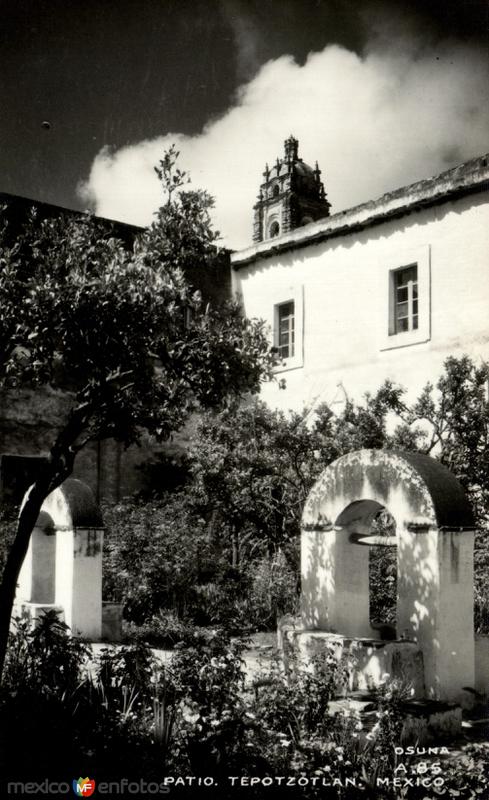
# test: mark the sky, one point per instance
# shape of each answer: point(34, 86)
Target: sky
point(92, 92)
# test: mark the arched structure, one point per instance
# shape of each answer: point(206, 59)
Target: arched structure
point(63, 566)
point(434, 539)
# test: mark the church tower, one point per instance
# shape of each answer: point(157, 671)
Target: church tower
point(291, 195)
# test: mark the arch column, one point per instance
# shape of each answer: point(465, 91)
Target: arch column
point(335, 590)
point(435, 604)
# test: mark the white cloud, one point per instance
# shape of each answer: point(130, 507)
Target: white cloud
point(373, 123)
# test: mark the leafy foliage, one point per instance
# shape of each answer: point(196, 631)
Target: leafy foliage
point(451, 422)
point(166, 566)
point(44, 660)
point(154, 554)
point(111, 326)
point(123, 713)
point(122, 331)
point(224, 548)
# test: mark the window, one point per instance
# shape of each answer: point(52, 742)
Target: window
point(288, 326)
point(274, 229)
point(286, 330)
point(404, 290)
point(405, 300)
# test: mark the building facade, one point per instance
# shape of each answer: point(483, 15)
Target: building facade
point(387, 289)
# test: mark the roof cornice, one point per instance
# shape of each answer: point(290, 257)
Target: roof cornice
point(467, 178)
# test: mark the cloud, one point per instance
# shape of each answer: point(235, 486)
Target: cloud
point(374, 123)
point(247, 37)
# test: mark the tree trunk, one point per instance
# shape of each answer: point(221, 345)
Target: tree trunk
point(60, 467)
point(26, 523)
point(235, 549)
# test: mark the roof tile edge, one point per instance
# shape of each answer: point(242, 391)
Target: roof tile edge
point(468, 177)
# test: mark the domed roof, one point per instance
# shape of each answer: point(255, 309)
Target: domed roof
point(71, 505)
point(303, 169)
point(85, 512)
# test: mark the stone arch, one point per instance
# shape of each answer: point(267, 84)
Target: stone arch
point(63, 565)
point(72, 505)
point(434, 538)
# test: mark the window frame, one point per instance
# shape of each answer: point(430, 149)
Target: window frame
point(286, 314)
point(284, 296)
point(410, 286)
point(389, 268)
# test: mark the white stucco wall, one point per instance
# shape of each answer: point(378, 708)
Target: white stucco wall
point(344, 282)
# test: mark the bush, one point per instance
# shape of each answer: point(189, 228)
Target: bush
point(481, 581)
point(273, 591)
point(44, 660)
point(112, 714)
point(155, 553)
point(127, 716)
point(162, 562)
point(163, 630)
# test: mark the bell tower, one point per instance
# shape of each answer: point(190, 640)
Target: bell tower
point(291, 195)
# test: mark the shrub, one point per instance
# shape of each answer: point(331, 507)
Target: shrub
point(154, 555)
point(44, 660)
point(273, 591)
point(112, 714)
point(212, 726)
point(164, 630)
point(129, 716)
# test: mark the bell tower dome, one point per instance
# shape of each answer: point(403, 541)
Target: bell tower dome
point(291, 195)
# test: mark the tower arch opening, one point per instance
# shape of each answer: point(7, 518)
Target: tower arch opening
point(274, 229)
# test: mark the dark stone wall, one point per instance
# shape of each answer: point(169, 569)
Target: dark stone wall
point(29, 422)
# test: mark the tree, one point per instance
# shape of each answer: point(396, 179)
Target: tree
point(122, 331)
point(249, 471)
point(253, 467)
point(450, 421)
